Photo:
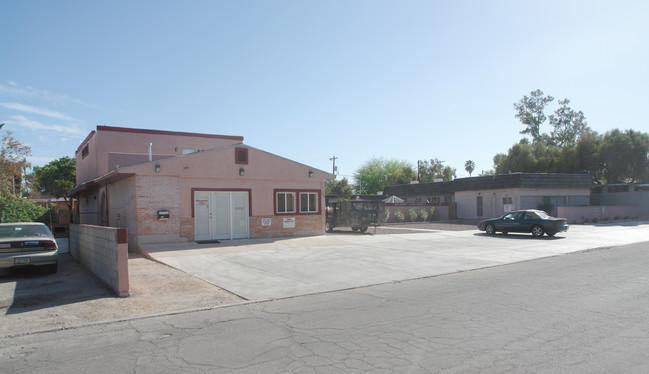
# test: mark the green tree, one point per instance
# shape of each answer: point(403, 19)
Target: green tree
point(13, 162)
point(339, 187)
point(377, 173)
point(624, 156)
point(567, 124)
point(13, 208)
point(531, 112)
point(57, 178)
point(469, 166)
point(435, 169)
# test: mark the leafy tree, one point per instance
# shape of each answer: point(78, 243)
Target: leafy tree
point(435, 169)
point(339, 187)
point(377, 173)
point(469, 166)
point(16, 209)
point(531, 112)
point(13, 162)
point(624, 156)
point(57, 178)
point(567, 124)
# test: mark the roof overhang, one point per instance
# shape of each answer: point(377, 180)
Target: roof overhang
point(105, 179)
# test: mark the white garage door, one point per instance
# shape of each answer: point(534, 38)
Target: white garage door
point(221, 215)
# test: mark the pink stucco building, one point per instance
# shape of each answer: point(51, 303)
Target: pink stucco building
point(177, 186)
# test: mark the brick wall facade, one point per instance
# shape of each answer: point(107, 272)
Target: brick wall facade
point(154, 193)
point(305, 225)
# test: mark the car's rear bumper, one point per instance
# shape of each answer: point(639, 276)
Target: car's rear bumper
point(8, 260)
point(558, 228)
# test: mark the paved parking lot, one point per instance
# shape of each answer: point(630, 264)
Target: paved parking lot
point(267, 269)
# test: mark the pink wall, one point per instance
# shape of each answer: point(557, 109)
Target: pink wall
point(118, 144)
point(578, 214)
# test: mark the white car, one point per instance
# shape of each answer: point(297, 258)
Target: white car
point(27, 244)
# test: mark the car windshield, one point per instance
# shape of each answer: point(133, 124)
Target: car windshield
point(24, 231)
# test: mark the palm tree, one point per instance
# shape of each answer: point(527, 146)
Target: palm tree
point(469, 166)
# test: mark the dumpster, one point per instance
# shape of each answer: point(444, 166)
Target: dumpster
point(357, 214)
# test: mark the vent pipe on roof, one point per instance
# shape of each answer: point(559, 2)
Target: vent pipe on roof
point(150, 152)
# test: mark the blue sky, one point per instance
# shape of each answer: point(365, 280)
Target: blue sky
point(309, 80)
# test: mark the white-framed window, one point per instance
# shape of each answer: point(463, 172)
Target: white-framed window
point(285, 202)
point(308, 202)
point(507, 200)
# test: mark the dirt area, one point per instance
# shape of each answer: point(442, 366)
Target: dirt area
point(31, 300)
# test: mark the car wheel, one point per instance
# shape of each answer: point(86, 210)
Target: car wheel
point(363, 229)
point(354, 228)
point(537, 231)
point(490, 229)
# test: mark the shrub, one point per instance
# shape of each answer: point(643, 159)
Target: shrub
point(411, 215)
point(546, 207)
point(433, 214)
point(423, 215)
point(595, 220)
point(387, 214)
point(15, 209)
point(398, 216)
point(617, 218)
point(605, 219)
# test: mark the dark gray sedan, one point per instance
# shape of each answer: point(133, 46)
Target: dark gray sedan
point(27, 244)
point(537, 222)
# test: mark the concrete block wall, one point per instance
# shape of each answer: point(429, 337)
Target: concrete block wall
point(104, 251)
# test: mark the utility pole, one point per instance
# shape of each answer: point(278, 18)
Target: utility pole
point(335, 169)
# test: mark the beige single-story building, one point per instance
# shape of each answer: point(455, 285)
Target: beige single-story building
point(493, 195)
point(166, 186)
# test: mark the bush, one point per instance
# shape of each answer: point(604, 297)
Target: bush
point(422, 215)
point(595, 220)
point(546, 208)
point(15, 209)
point(387, 214)
point(411, 215)
point(433, 214)
point(617, 218)
point(398, 216)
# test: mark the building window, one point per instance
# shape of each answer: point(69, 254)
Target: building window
point(285, 202)
point(507, 200)
point(308, 202)
point(84, 151)
point(241, 155)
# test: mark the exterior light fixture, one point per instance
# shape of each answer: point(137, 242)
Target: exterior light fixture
point(241, 171)
point(157, 168)
point(310, 173)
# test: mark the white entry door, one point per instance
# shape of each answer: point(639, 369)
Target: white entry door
point(221, 215)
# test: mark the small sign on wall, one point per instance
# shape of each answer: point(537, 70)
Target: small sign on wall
point(289, 223)
point(266, 221)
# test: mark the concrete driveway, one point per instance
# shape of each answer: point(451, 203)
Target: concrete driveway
point(267, 269)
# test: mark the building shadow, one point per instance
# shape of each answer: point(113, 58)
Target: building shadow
point(27, 289)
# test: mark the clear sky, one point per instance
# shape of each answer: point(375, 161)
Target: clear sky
point(308, 80)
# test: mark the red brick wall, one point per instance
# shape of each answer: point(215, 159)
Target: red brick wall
point(157, 193)
point(305, 225)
